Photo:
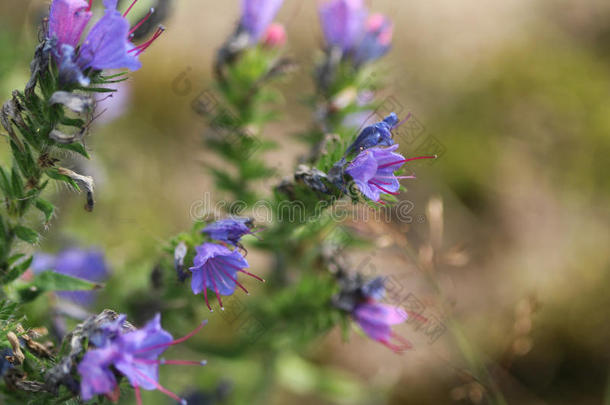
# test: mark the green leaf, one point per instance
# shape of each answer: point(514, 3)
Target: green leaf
point(46, 207)
point(26, 234)
point(75, 147)
point(55, 175)
point(16, 271)
point(52, 281)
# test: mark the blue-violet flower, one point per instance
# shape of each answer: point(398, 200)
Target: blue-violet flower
point(136, 356)
point(215, 267)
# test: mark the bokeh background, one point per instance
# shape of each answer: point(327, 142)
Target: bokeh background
point(515, 211)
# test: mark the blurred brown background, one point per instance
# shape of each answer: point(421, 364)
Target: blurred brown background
point(517, 93)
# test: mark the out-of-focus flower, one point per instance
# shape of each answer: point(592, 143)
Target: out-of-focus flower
point(346, 26)
point(376, 320)
point(88, 264)
point(378, 134)
point(377, 39)
point(343, 22)
point(275, 36)
point(215, 267)
point(229, 230)
point(257, 15)
point(135, 355)
point(107, 45)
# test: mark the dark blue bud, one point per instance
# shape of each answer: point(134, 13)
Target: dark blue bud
point(378, 134)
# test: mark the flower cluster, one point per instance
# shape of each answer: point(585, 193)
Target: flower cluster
point(134, 355)
point(215, 266)
point(373, 169)
point(348, 26)
point(107, 45)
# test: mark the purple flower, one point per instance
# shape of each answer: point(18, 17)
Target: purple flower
point(343, 22)
point(377, 39)
point(229, 230)
point(107, 45)
point(257, 15)
point(373, 171)
point(375, 135)
point(215, 267)
point(133, 354)
point(376, 321)
point(88, 264)
point(67, 21)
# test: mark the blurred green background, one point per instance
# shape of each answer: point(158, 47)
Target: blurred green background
point(517, 93)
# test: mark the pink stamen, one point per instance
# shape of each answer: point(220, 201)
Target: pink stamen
point(129, 8)
point(174, 342)
point(405, 161)
point(138, 394)
point(242, 270)
point(160, 387)
point(142, 47)
point(90, 5)
point(174, 362)
point(234, 280)
point(383, 189)
point(142, 21)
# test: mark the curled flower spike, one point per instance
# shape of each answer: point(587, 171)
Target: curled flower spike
point(215, 267)
point(257, 15)
point(135, 355)
point(342, 22)
point(346, 27)
point(377, 39)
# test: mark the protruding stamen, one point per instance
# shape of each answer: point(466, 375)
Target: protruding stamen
point(242, 270)
point(163, 361)
point(90, 5)
point(138, 394)
point(383, 189)
point(142, 47)
point(129, 8)
point(405, 161)
point(160, 387)
point(175, 342)
point(142, 21)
